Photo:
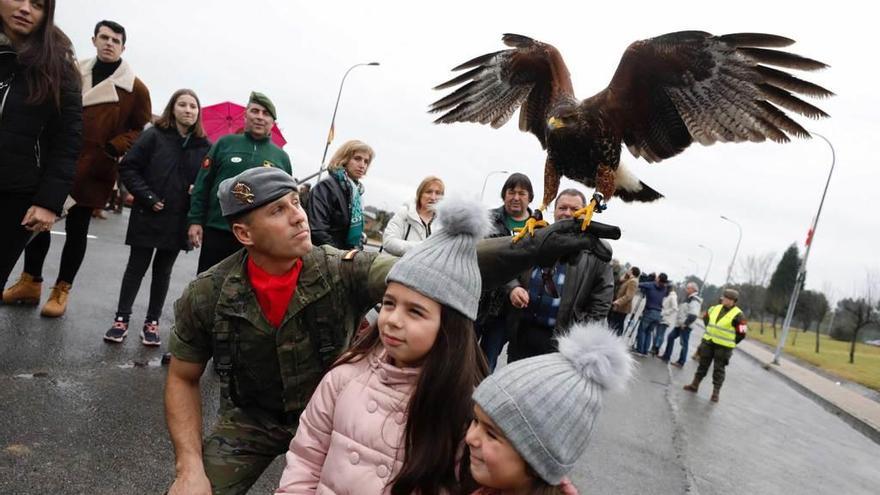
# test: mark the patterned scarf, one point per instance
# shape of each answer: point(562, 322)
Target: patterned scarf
point(356, 228)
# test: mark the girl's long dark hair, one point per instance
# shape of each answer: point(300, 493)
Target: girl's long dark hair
point(168, 121)
point(440, 407)
point(48, 58)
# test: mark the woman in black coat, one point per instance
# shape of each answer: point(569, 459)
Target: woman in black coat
point(40, 127)
point(159, 171)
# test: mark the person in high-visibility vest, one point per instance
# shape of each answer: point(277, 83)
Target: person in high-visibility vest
point(725, 328)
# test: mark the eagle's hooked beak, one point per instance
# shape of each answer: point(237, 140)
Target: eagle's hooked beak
point(553, 123)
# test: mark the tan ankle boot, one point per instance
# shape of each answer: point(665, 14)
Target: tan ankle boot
point(56, 305)
point(25, 291)
point(694, 386)
point(715, 394)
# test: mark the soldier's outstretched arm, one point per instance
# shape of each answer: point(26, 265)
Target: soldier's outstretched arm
point(183, 414)
point(501, 260)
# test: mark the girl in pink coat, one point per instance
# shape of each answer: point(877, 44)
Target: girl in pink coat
point(533, 418)
point(391, 415)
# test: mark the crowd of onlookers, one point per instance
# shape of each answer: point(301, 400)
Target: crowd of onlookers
point(409, 404)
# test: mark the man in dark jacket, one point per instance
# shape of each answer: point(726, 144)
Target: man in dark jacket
point(491, 324)
point(550, 300)
point(654, 292)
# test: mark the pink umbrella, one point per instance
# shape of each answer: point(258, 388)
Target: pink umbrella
point(228, 118)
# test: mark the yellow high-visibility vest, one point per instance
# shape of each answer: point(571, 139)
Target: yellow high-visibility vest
point(721, 331)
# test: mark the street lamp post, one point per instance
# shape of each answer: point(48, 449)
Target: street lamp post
point(486, 180)
point(735, 251)
point(333, 120)
point(802, 271)
point(708, 267)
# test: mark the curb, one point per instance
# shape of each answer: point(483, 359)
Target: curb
point(858, 423)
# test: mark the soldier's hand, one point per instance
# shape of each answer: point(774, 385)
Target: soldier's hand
point(191, 484)
point(195, 235)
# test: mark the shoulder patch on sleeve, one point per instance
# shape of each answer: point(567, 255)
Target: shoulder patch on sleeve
point(206, 163)
point(350, 255)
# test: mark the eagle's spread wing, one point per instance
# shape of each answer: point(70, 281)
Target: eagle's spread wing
point(531, 75)
point(690, 86)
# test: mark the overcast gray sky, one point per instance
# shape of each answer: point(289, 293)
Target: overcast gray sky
point(296, 52)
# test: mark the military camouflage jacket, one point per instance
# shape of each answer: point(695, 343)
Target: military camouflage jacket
point(276, 369)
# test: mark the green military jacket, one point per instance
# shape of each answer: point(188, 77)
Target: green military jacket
point(277, 369)
point(228, 157)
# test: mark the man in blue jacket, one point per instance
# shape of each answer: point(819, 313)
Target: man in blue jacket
point(654, 293)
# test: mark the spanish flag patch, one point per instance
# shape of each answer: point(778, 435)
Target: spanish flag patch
point(206, 163)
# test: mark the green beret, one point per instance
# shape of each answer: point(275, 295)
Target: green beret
point(261, 99)
point(252, 189)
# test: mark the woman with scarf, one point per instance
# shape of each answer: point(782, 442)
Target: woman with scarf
point(335, 209)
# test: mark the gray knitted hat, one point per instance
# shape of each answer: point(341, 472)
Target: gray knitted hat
point(444, 266)
point(547, 405)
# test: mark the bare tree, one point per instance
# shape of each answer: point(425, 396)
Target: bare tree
point(863, 310)
point(754, 270)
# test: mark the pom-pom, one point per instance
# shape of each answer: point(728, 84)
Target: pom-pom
point(461, 216)
point(598, 354)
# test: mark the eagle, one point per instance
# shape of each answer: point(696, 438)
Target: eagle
point(667, 92)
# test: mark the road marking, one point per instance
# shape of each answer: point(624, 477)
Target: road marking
point(90, 236)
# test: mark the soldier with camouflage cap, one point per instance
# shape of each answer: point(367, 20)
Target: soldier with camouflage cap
point(228, 157)
point(275, 316)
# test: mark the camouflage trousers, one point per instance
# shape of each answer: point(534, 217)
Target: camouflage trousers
point(709, 352)
point(241, 446)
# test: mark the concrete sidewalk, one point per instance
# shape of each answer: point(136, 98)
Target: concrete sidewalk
point(861, 413)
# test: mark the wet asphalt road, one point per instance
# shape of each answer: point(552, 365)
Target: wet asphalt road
point(78, 416)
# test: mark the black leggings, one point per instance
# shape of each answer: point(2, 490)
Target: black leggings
point(12, 210)
point(76, 225)
point(217, 245)
point(138, 262)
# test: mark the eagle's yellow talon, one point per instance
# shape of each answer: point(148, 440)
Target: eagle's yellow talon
point(587, 213)
point(529, 228)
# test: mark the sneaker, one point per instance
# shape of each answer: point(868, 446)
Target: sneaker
point(677, 364)
point(150, 334)
point(117, 332)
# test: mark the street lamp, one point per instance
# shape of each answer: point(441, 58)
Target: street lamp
point(733, 260)
point(802, 271)
point(708, 267)
point(483, 191)
point(333, 120)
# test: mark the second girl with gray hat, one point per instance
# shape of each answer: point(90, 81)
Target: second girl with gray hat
point(533, 418)
point(391, 415)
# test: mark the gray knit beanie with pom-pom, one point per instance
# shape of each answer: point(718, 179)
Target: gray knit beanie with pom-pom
point(444, 267)
point(547, 405)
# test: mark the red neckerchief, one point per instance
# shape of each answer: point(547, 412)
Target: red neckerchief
point(273, 291)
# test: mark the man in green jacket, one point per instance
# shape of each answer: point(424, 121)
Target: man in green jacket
point(230, 156)
point(275, 316)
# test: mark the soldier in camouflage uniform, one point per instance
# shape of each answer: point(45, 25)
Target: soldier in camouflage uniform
point(269, 373)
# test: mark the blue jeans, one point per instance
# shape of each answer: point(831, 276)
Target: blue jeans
point(685, 335)
point(659, 336)
point(493, 336)
point(650, 319)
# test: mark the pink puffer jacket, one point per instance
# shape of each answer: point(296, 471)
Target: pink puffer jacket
point(348, 436)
